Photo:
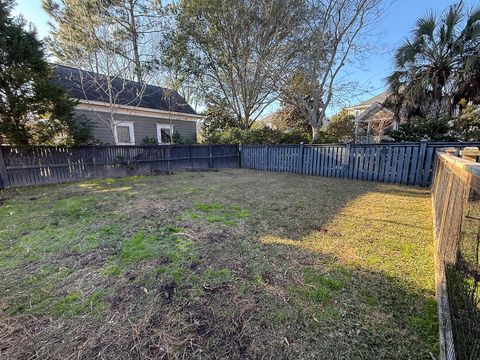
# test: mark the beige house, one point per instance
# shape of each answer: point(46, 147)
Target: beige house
point(373, 121)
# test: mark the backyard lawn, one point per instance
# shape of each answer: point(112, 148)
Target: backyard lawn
point(229, 264)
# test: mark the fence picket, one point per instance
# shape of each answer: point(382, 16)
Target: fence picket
point(47, 165)
point(401, 155)
point(407, 164)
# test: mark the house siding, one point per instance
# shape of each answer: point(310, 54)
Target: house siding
point(143, 126)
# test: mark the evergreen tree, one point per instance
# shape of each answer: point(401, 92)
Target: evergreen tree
point(341, 128)
point(33, 109)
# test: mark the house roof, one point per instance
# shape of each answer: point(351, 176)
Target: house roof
point(86, 85)
point(371, 110)
point(380, 98)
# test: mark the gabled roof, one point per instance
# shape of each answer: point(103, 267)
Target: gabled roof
point(86, 85)
point(371, 110)
point(380, 98)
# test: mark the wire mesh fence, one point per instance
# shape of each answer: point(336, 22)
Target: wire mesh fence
point(456, 204)
point(463, 284)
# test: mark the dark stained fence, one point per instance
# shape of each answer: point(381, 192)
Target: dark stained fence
point(399, 163)
point(50, 165)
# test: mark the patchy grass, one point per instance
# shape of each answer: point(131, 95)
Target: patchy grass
point(231, 264)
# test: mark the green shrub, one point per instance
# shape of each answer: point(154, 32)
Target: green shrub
point(179, 139)
point(419, 128)
point(149, 140)
point(467, 126)
point(262, 135)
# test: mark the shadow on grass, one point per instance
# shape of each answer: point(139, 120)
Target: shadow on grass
point(313, 268)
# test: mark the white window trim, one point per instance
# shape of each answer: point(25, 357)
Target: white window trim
point(159, 133)
point(132, 132)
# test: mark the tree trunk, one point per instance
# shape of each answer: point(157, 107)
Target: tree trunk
point(315, 133)
point(134, 39)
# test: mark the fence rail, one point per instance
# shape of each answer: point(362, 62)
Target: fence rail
point(399, 163)
point(49, 165)
point(456, 217)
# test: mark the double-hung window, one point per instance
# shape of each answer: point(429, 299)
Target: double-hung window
point(124, 133)
point(164, 133)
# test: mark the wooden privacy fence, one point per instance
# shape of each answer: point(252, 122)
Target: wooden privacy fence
point(400, 163)
point(456, 217)
point(47, 165)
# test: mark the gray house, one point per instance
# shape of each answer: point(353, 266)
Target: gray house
point(126, 112)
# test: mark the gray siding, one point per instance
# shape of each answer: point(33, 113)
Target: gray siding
point(143, 126)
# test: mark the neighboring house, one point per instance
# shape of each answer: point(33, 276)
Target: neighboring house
point(373, 121)
point(127, 112)
point(267, 121)
point(356, 110)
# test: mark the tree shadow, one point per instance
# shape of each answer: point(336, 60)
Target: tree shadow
point(320, 268)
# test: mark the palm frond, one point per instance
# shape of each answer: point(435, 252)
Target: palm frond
point(472, 27)
point(406, 53)
point(451, 19)
point(426, 27)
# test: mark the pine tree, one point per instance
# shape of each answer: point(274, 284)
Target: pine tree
point(33, 109)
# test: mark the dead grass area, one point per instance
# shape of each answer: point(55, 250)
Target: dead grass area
point(231, 264)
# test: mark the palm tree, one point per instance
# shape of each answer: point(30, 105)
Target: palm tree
point(438, 65)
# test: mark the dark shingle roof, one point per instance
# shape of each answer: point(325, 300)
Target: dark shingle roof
point(85, 85)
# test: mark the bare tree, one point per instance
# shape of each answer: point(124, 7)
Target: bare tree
point(334, 33)
point(379, 124)
point(237, 48)
point(111, 44)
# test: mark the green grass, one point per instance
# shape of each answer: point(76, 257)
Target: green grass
point(217, 213)
point(229, 264)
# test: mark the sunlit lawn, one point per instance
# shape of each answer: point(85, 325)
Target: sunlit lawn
point(228, 264)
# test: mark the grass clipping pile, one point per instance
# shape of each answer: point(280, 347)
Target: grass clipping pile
point(233, 264)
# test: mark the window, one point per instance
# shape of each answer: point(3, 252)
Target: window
point(124, 133)
point(357, 112)
point(164, 133)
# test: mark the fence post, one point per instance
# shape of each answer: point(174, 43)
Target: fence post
point(421, 162)
point(210, 159)
point(3, 171)
point(302, 151)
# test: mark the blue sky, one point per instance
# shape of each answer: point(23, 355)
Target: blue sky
point(393, 28)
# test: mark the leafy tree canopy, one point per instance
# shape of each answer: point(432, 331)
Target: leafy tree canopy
point(438, 65)
point(289, 118)
point(341, 128)
point(467, 126)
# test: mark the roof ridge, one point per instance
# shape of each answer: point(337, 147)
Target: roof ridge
point(113, 77)
point(127, 91)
